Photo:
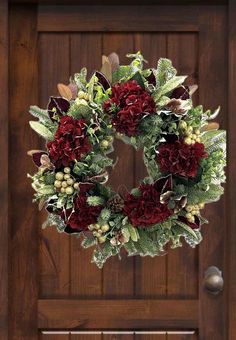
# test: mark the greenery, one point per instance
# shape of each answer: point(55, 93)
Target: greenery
point(113, 229)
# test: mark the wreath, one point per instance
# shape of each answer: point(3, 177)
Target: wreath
point(150, 109)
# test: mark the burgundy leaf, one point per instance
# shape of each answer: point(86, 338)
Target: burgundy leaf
point(57, 106)
point(103, 80)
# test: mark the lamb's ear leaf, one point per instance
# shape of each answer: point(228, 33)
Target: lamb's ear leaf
point(41, 130)
point(138, 78)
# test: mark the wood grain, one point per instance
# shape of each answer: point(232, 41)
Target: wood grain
point(54, 67)
point(212, 92)
point(4, 170)
point(23, 215)
point(86, 278)
point(118, 275)
point(116, 18)
point(149, 283)
point(106, 314)
point(182, 271)
point(231, 170)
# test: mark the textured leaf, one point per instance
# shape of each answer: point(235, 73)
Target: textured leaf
point(169, 86)
point(41, 130)
point(133, 233)
point(164, 72)
point(42, 115)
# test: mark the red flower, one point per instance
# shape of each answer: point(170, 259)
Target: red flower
point(70, 142)
point(180, 159)
point(147, 209)
point(82, 215)
point(132, 103)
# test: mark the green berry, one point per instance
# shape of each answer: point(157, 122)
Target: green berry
point(70, 181)
point(101, 239)
point(188, 215)
point(57, 184)
point(104, 143)
point(187, 141)
point(64, 184)
point(59, 176)
point(76, 186)
point(66, 176)
point(67, 170)
point(105, 228)
point(63, 190)
point(182, 124)
point(69, 190)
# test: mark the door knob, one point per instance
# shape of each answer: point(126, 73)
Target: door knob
point(213, 280)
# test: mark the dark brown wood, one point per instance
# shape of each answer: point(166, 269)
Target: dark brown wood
point(195, 39)
point(213, 92)
point(231, 170)
point(54, 253)
point(119, 18)
point(23, 216)
point(182, 266)
point(85, 49)
point(149, 283)
point(117, 314)
point(4, 170)
point(118, 276)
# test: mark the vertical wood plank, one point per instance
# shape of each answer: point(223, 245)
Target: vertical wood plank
point(4, 170)
point(54, 247)
point(212, 92)
point(149, 283)
point(23, 216)
point(118, 275)
point(182, 273)
point(231, 188)
point(86, 51)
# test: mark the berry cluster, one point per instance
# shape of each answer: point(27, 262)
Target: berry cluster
point(193, 210)
point(99, 231)
point(65, 183)
point(191, 136)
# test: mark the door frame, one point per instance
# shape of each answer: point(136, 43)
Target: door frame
point(230, 275)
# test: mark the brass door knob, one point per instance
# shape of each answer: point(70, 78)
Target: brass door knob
point(213, 281)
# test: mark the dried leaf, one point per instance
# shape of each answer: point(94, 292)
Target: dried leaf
point(106, 68)
point(114, 61)
point(64, 91)
point(211, 126)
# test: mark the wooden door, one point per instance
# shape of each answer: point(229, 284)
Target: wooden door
point(54, 291)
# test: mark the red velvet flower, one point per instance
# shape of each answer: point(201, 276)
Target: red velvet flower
point(147, 209)
point(180, 159)
point(82, 215)
point(132, 102)
point(70, 142)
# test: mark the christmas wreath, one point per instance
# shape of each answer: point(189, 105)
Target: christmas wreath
point(151, 110)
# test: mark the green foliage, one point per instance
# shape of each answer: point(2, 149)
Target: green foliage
point(41, 130)
point(153, 130)
point(164, 72)
point(41, 114)
point(95, 200)
point(54, 220)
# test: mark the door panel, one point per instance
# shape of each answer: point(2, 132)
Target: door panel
point(52, 278)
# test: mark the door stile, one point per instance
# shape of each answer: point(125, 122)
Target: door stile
point(4, 169)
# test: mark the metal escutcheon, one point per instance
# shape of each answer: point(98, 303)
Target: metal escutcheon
point(213, 280)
